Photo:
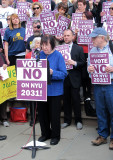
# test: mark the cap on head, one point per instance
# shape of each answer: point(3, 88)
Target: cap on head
point(98, 31)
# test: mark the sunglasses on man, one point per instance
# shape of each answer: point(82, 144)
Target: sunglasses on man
point(36, 8)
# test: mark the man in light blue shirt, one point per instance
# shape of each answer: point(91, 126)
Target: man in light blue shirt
point(103, 93)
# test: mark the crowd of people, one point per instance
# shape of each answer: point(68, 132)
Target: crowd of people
point(63, 91)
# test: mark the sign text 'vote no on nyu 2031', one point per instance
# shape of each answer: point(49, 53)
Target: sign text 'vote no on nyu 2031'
point(32, 80)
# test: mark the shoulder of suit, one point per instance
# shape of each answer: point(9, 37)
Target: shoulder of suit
point(75, 45)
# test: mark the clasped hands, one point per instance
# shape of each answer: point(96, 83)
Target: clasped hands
point(108, 69)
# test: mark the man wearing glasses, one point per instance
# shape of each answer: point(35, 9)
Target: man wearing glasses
point(103, 93)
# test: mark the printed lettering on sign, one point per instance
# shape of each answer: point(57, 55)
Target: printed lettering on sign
point(100, 61)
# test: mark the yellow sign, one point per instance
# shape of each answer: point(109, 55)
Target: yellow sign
point(8, 87)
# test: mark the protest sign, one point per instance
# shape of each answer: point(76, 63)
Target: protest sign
point(55, 11)
point(105, 9)
point(100, 61)
point(4, 73)
point(22, 9)
point(13, 5)
point(46, 5)
point(29, 30)
point(62, 24)
point(64, 50)
point(32, 80)
point(109, 26)
point(2, 31)
point(48, 23)
point(75, 19)
point(8, 87)
point(85, 28)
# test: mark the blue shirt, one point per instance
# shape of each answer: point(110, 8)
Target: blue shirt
point(29, 41)
point(106, 49)
point(15, 39)
point(57, 64)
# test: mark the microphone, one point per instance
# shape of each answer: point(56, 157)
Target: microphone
point(37, 52)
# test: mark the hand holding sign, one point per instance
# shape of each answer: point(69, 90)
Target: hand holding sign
point(51, 71)
point(91, 69)
point(27, 13)
point(4, 66)
point(102, 14)
point(71, 62)
point(109, 69)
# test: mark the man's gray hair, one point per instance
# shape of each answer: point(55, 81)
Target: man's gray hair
point(36, 21)
point(106, 38)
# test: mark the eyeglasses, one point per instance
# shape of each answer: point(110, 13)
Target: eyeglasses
point(8, 19)
point(111, 8)
point(36, 8)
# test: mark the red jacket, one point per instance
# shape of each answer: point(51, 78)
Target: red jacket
point(35, 0)
point(28, 55)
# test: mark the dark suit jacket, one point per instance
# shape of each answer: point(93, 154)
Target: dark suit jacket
point(1, 26)
point(77, 55)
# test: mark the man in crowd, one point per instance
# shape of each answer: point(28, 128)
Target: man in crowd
point(72, 82)
point(103, 94)
point(5, 10)
point(37, 32)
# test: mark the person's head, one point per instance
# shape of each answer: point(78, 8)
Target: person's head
point(36, 8)
point(10, 2)
point(73, 1)
point(14, 20)
point(96, 2)
point(65, 1)
point(99, 37)
point(111, 9)
point(87, 15)
point(36, 43)
point(68, 36)
point(81, 5)
point(37, 27)
point(5, 3)
point(48, 44)
point(8, 19)
point(62, 8)
point(21, 0)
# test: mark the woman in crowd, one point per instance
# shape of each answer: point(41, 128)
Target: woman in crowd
point(49, 112)
point(35, 45)
point(14, 46)
point(62, 10)
point(81, 6)
point(37, 9)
